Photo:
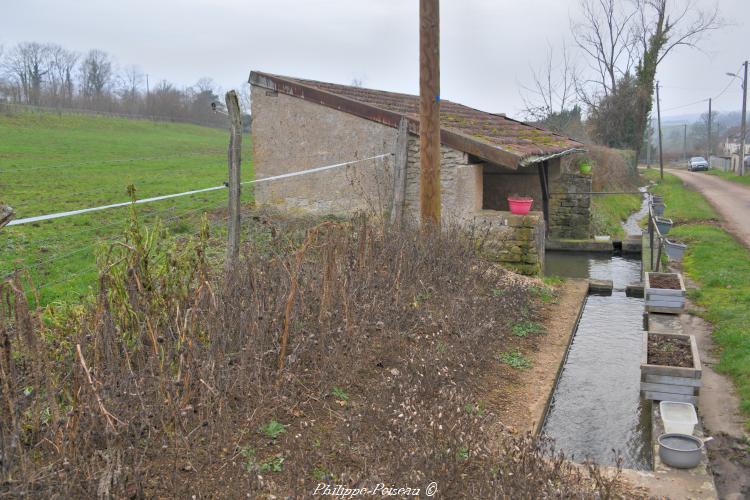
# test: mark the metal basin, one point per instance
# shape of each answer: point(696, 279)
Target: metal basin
point(680, 450)
point(664, 225)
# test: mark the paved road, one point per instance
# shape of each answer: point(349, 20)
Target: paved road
point(730, 199)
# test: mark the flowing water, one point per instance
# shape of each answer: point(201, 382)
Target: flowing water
point(596, 406)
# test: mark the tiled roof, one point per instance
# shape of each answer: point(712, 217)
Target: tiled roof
point(492, 137)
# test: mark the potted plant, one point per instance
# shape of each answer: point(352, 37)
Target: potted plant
point(674, 249)
point(670, 367)
point(663, 224)
point(520, 205)
point(664, 293)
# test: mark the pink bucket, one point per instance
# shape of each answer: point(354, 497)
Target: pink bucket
point(520, 206)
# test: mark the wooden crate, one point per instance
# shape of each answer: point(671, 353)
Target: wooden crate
point(664, 300)
point(670, 383)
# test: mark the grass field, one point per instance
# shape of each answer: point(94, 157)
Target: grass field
point(54, 163)
point(608, 212)
point(721, 267)
point(745, 179)
point(683, 205)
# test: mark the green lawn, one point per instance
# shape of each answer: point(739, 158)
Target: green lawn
point(745, 179)
point(609, 211)
point(683, 205)
point(721, 267)
point(53, 163)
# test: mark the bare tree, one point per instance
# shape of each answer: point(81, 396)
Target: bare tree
point(553, 89)
point(131, 80)
point(621, 39)
point(606, 36)
point(62, 63)
point(96, 74)
point(27, 65)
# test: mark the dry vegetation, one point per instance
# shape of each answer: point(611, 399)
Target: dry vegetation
point(338, 351)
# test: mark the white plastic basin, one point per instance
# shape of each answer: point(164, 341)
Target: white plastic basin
point(678, 418)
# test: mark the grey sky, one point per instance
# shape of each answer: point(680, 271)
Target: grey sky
point(488, 46)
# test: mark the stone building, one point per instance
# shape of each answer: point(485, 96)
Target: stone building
point(301, 124)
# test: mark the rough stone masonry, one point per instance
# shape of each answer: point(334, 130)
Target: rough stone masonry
point(570, 213)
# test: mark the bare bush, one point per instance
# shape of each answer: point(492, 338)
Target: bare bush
point(361, 344)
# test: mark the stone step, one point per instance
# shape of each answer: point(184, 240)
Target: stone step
point(635, 290)
point(600, 287)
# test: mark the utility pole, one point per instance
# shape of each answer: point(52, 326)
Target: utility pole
point(744, 123)
point(684, 143)
point(708, 158)
point(429, 110)
point(658, 117)
point(233, 157)
point(648, 141)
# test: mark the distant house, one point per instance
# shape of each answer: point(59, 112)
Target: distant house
point(731, 147)
point(301, 124)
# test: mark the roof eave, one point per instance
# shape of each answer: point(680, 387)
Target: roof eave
point(532, 160)
point(448, 137)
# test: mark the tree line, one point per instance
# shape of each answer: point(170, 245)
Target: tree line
point(602, 88)
point(49, 75)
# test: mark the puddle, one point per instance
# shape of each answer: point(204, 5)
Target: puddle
point(596, 406)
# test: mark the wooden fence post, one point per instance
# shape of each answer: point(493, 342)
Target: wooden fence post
point(234, 159)
point(6, 215)
point(399, 172)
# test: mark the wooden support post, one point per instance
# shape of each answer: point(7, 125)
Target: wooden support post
point(6, 215)
point(429, 110)
point(544, 181)
point(234, 159)
point(399, 172)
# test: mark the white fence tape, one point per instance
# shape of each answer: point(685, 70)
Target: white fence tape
point(39, 218)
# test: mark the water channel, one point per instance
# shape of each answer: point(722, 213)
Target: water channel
point(596, 406)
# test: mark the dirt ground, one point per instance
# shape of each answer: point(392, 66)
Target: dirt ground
point(521, 400)
point(669, 351)
point(729, 452)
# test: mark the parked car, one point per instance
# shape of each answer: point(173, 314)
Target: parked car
point(697, 163)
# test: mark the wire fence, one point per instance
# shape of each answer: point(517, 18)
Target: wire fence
point(71, 265)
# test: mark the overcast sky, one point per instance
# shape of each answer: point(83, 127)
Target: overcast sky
point(487, 46)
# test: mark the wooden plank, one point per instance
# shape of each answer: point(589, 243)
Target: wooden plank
point(696, 355)
point(234, 159)
point(6, 214)
point(664, 292)
point(661, 299)
point(665, 310)
point(399, 172)
point(663, 396)
point(669, 388)
point(670, 371)
point(665, 379)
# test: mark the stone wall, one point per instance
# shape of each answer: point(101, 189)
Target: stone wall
point(460, 184)
point(515, 241)
point(290, 134)
point(570, 214)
